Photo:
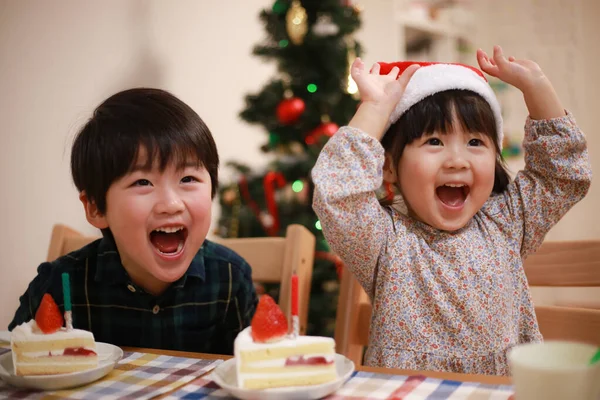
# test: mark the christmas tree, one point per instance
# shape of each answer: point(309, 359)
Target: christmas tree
point(311, 96)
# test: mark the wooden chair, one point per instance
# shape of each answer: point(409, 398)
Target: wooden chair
point(573, 264)
point(273, 259)
point(65, 240)
point(353, 319)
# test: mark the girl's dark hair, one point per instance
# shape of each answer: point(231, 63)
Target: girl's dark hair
point(107, 146)
point(435, 114)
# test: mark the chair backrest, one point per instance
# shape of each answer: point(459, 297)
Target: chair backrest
point(573, 266)
point(353, 319)
point(555, 264)
point(65, 240)
point(273, 260)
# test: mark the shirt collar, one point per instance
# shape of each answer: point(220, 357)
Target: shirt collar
point(195, 270)
point(110, 270)
point(108, 263)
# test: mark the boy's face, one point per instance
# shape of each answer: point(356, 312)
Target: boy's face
point(159, 220)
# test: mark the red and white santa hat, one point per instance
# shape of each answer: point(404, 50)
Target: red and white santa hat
point(433, 78)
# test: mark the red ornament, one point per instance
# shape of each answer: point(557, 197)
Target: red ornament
point(269, 220)
point(325, 129)
point(272, 181)
point(289, 110)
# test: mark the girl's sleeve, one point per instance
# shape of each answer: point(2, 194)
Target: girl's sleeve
point(557, 175)
point(346, 176)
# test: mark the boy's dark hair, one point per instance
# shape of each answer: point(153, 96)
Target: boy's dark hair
point(107, 146)
point(435, 114)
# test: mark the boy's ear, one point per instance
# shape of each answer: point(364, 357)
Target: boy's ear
point(389, 170)
point(92, 214)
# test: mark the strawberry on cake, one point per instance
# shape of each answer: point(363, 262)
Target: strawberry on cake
point(267, 357)
point(43, 347)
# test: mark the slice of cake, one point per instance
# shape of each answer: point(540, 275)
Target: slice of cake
point(266, 357)
point(43, 347)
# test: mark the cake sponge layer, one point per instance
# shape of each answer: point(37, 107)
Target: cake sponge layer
point(53, 368)
point(53, 345)
point(273, 353)
point(285, 381)
point(245, 368)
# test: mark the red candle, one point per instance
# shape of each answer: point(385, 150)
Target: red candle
point(294, 294)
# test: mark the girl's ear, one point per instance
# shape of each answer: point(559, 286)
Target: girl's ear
point(92, 214)
point(389, 169)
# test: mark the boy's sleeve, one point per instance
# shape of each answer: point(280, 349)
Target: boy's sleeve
point(557, 175)
point(348, 172)
point(31, 299)
point(240, 311)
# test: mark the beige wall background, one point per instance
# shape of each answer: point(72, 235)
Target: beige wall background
point(59, 59)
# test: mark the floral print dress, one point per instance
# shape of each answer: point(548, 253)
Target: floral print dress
point(448, 301)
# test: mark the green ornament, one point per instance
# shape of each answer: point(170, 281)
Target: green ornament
point(273, 139)
point(280, 7)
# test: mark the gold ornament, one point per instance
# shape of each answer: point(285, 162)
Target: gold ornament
point(296, 148)
point(296, 22)
point(229, 196)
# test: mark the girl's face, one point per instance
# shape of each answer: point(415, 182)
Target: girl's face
point(445, 179)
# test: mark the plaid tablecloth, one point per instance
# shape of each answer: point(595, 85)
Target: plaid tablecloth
point(370, 386)
point(136, 376)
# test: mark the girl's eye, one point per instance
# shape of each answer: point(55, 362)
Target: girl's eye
point(188, 179)
point(434, 142)
point(142, 182)
point(475, 142)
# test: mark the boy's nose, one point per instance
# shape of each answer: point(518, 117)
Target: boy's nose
point(169, 203)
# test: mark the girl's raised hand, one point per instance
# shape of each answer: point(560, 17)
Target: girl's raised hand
point(382, 90)
point(522, 74)
point(540, 97)
point(379, 95)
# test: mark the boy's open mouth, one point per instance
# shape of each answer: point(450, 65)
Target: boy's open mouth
point(453, 194)
point(169, 240)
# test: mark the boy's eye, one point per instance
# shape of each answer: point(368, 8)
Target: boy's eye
point(142, 182)
point(188, 179)
point(475, 142)
point(434, 142)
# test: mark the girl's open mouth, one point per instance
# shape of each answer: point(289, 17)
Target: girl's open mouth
point(169, 241)
point(453, 195)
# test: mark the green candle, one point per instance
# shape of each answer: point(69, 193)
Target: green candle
point(596, 357)
point(66, 291)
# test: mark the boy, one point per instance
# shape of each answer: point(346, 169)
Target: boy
point(146, 169)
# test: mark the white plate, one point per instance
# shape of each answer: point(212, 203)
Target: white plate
point(108, 356)
point(225, 375)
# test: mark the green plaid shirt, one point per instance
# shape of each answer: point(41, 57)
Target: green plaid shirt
point(202, 312)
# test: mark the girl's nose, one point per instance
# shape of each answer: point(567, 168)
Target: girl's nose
point(455, 159)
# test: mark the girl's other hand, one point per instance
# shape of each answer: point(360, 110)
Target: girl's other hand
point(540, 97)
point(522, 74)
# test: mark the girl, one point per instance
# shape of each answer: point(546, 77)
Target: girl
point(446, 278)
